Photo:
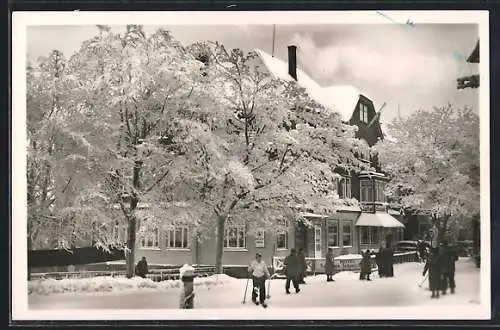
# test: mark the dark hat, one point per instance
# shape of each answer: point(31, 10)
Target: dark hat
point(293, 250)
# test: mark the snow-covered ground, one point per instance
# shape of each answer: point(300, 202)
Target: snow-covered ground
point(347, 291)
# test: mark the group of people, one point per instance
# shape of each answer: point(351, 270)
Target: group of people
point(295, 269)
point(440, 266)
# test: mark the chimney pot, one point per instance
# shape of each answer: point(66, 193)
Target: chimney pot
point(292, 61)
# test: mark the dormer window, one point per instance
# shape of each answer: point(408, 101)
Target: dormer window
point(363, 113)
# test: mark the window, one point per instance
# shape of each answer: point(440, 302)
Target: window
point(234, 237)
point(344, 187)
point(120, 233)
point(177, 238)
point(347, 233)
point(332, 233)
point(380, 196)
point(260, 236)
point(369, 235)
point(282, 235)
point(363, 113)
point(149, 239)
point(366, 191)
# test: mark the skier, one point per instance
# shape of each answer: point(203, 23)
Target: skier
point(259, 272)
point(303, 266)
point(366, 266)
point(448, 257)
point(187, 294)
point(329, 266)
point(292, 269)
point(142, 268)
point(433, 265)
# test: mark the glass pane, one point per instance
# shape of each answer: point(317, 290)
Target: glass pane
point(185, 240)
point(364, 236)
point(241, 237)
point(280, 242)
point(178, 238)
point(232, 237)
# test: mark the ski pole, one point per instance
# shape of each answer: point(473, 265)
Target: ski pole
point(420, 285)
point(246, 288)
point(268, 296)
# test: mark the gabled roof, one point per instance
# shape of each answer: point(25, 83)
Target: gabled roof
point(338, 98)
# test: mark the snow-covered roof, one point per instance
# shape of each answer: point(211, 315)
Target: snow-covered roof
point(341, 99)
point(312, 215)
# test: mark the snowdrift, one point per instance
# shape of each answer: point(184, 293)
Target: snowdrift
point(109, 284)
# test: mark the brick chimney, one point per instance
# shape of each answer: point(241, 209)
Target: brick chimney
point(292, 61)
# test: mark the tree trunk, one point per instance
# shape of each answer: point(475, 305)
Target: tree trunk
point(131, 246)
point(442, 228)
point(221, 221)
point(132, 221)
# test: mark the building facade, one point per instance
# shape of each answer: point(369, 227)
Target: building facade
point(348, 231)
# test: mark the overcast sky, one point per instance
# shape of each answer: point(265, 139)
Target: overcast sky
point(415, 67)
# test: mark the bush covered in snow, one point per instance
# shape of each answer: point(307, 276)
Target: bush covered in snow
point(108, 284)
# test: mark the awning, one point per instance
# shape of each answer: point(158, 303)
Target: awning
point(378, 219)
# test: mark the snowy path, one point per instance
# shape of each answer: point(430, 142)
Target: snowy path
point(347, 290)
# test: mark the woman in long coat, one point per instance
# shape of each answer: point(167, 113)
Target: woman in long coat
point(329, 266)
point(433, 266)
point(366, 266)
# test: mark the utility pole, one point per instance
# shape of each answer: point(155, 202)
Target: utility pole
point(274, 39)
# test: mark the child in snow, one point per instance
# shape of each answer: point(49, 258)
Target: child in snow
point(433, 265)
point(366, 266)
point(187, 292)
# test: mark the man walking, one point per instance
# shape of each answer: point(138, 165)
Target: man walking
point(448, 257)
point(292, 270)
point(259, 272)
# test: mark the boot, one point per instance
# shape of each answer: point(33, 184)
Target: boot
point(433, 295)
point(452, 291)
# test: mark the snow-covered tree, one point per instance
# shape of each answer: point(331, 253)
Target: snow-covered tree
point(434, 164)
point(272, 151)
point(133, 105)
point(54, 157)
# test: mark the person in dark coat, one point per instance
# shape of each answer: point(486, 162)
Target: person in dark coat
point(388, 261)
point(142, 268)
point(380, 264)
point(292, 271)
point(329, 265)
point(366, 266)
point(448, 258)
point(433, 266)
point(303, 266)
